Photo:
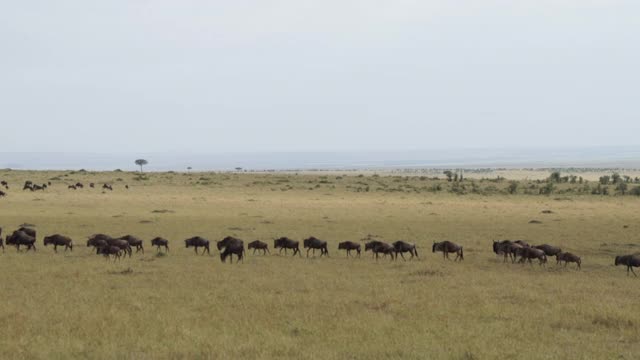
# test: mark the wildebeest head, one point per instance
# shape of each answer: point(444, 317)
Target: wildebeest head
point(47, 240)
point(618, 260)
point(433, 248)
point(342, 245)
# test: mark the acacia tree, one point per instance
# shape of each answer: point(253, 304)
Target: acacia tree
point(141, 163)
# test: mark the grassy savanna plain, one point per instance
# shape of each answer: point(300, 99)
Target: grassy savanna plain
point(78, 305)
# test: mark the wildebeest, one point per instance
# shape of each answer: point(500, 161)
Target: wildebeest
point(259, 245)
point(79, 185)
point(448, 247)
point(231, 246)
point(37, 187)
point(28, 182)
point(19, 238)
point(1, 240)
point(27, 187)
point(28, 231)
point(4, 183)
point(507, 248)
point(134, 242)
point(402, 247)
point(2, 193)
point(315, 243)
point(97, 239)
point(108, 187)
point(58, 240)
point(528, 253)
point(630, 261)
point(567, 258)
point(349, 245)
point(92, 185)
point(126, 187)
point(378, 247)
point(110, 250)
point(159, 242)
point(286, 243)
point(549, 250)
point(72, 187)
point(197, 242)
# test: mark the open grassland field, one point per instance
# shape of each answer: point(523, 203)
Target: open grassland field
point(182, 305)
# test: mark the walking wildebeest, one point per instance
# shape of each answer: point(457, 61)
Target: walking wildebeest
point(97, 239)
point(349, 245)
point(259, 245)
point(4, 183)
point(1, 240)
point(315, 243)
point(630, 261)
point(2, 193)
point(401, 247)
point(72, 187)
point(549, 250)
point(286, 243)
point(108, 187)
point(58, 240)
point(133, 241)
point(528, 253)
point(92, 185)
point(37, 187)
point(126, 187)
point(231, 246)
point(197, 242)
point(27, 187)
point(378, 247)
point(158, 242)
point(110, 250)
point(28, 231)
point(21, 238)
point(508, 248)
point(567, 258)
point(79, 185)
point(448, 247)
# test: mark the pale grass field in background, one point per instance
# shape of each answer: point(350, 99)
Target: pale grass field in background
point(78, 305)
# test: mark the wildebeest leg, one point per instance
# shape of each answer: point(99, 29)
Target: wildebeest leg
point(358, 251)
point(631, 268)
point(308, 252)
point(266, 250)
point(195, 248)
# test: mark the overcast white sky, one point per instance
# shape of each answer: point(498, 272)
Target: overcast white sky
point(295, 75)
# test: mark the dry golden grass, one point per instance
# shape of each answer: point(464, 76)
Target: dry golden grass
point(77, 305)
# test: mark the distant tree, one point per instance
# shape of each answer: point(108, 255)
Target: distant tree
point(513, 187)
point(141, 163)
point(238, 169)
point(189, 168)
point(449, 175)
point(604, 180)
point(615, 178)
point(635, 191)
point(621, 188)
point(555, 177)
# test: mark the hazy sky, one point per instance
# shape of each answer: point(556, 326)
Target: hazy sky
point(295, 75)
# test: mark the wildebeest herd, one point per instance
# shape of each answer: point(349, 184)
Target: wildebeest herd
point(118, 247)
point(31, 186)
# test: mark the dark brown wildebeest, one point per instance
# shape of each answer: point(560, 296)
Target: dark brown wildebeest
point(27, 187)
point(79, 185)
point(507, 248)
point(286, 243)
point(28, 182)
point(259, 245)
point(2, 193)
point(315, 243)
point(402, 247)
point(44, 186)
point(58, 240)
point(378, 247)
point(159, 242)
point(4, 183)
point(231, 246)
point(72, 187)
point(528, 253)
point(107, 187)
point(28, 231)
point(110, 250)
point(126, 187)
point(630, 261)
point(197, 242)
point(134, 242)
point(97, 239)
point(49, 183)
point(19, 238)
point(37, 187)
point(549, 250)
point(1, 240)
point(567, 258)
point(92, 185)
point(448, 247)
point(349, 245)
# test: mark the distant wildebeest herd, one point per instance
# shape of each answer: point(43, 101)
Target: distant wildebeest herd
point(118, 247)
point(31, 186)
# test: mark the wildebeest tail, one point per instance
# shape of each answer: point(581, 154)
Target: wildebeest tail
point(461, 253)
